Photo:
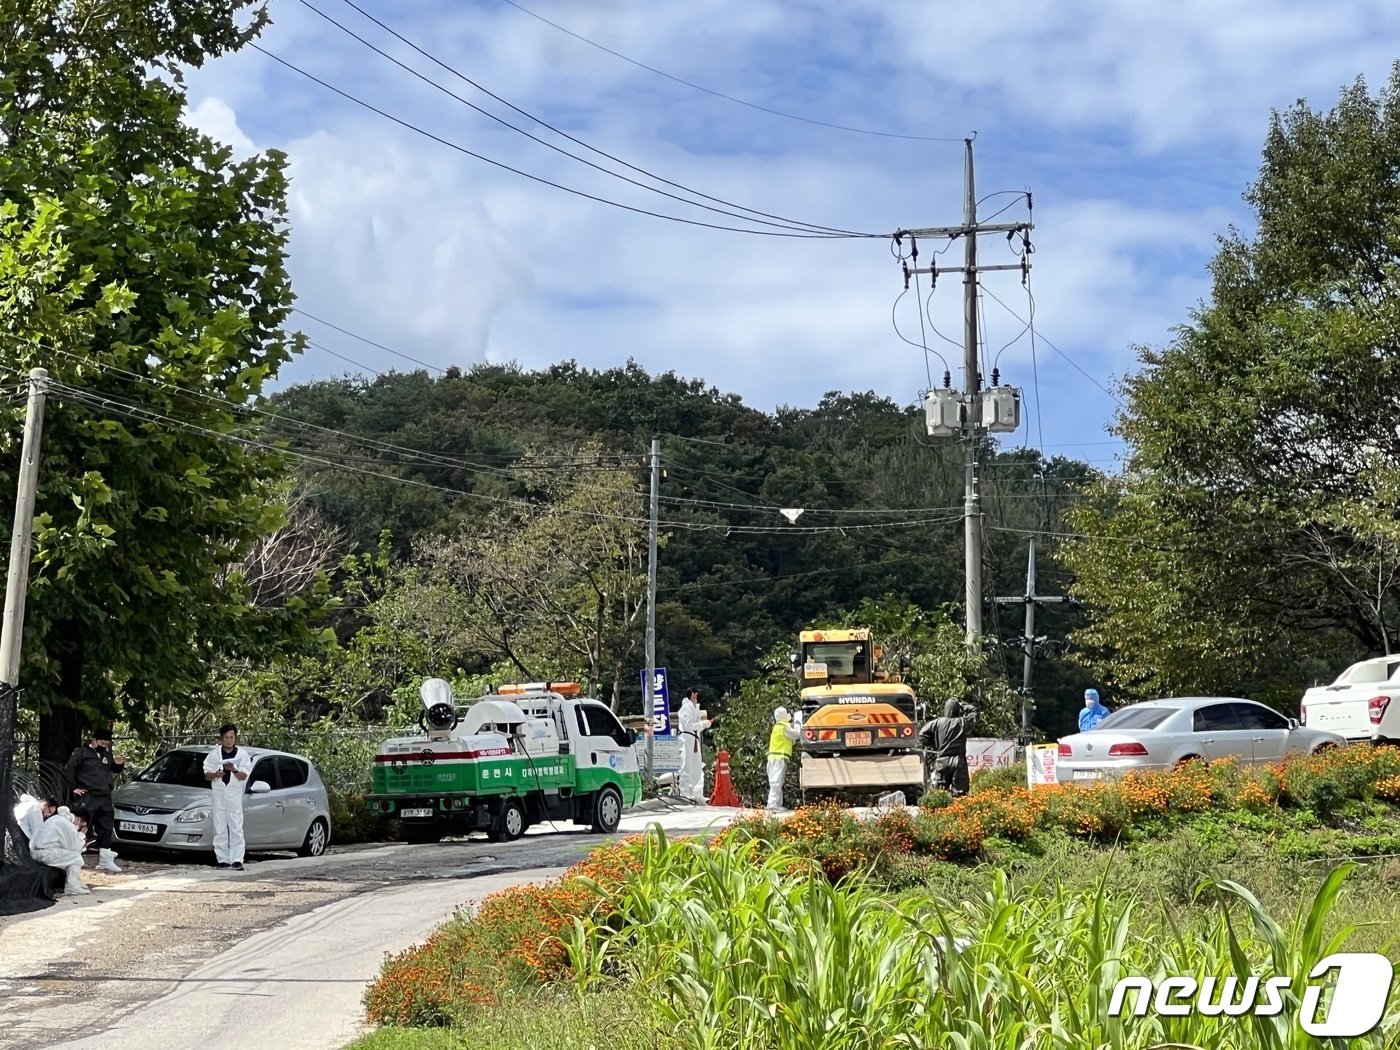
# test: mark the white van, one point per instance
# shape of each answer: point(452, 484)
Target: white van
point(1362, 704)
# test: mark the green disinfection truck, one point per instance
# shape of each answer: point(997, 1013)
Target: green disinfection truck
point(521, 756)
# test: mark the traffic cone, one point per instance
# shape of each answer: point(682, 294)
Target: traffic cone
point(724, 793)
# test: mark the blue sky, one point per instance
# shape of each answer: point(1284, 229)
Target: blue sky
point(1137, 126)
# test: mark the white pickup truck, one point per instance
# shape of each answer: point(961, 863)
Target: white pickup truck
point(1362, 704)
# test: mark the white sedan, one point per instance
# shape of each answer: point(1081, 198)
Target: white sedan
point(1162, 734)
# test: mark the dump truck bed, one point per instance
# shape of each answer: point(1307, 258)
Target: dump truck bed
point(861, 772)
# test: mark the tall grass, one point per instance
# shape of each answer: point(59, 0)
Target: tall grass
point(754, 949)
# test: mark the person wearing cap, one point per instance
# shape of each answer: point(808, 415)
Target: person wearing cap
point(1093, 712)
point(780, 740)
point(89, 773)
point(227, 768)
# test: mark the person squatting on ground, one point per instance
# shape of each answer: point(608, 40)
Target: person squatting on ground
point(780, 740)
point(227, 768)
point(692, 784)
point(945, 747)
point(1093, 712)
point(31, 813)
point(89, 774)
point(59, 843)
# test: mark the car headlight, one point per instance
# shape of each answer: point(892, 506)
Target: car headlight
point(191, 815)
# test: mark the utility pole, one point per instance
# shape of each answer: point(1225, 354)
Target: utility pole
point(648, 701)
point(16, 587)
point(995, 410)
point(1028, 640)
point(972, 383)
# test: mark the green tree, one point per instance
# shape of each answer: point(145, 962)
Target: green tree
point(1251, 542)
point(144, 268)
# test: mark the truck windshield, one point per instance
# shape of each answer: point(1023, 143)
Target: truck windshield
point(835, 661)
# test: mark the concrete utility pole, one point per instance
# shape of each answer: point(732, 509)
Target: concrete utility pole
point(1028, 641)
point(970, 421)
point(16, 587)
point(972, 385)
point(648, 693)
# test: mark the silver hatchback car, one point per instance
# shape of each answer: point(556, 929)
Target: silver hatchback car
point(167, 805)
point(1161, 734)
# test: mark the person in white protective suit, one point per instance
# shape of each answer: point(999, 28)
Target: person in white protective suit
point(227, 768)
point(692, 768)
point(784, 734)
point(31, 813)
point(59, 843)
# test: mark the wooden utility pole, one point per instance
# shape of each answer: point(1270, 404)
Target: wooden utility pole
point(16, 587)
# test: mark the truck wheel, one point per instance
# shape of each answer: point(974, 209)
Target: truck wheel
point(607, 810)
point(422, 834)
point(510, 824)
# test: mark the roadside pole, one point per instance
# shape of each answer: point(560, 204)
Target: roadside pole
point(649, 686)
point(16, 587)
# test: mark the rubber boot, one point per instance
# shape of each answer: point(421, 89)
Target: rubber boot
point(74, 884)
point(107, 860)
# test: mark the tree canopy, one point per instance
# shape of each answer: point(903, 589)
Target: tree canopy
point(144, 269)
point(1251, 543)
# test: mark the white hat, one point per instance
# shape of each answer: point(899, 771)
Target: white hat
point(780, 714)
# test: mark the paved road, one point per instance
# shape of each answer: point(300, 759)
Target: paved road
point(163, 956)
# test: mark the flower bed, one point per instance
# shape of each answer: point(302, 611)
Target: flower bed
point(513, 940)
point(954, 830)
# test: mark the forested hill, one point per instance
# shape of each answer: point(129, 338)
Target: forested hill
point(881, 502)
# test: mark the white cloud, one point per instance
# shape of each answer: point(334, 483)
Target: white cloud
point(1136, 125)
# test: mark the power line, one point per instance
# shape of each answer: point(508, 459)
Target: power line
point(368, 341)
point(1053, 347)
point(729, 98)
point(540, 179)
point(781, 222)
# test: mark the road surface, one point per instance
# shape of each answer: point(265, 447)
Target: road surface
point(166, 955)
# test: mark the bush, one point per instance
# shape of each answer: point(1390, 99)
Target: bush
point(936, 798)
point(999, 778)
point(514, 942)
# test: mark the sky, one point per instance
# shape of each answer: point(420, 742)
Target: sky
point(1137, 127)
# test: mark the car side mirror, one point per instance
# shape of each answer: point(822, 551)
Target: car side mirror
point(1293, 723)
point(632, 735)
point(259, 787)
point(794, 660)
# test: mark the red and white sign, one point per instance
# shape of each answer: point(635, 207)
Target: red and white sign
point(1040, 764)
point(987, 753)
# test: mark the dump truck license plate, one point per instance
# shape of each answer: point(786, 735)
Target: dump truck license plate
point(857, 739)
point(139, 829)
point(411, 813)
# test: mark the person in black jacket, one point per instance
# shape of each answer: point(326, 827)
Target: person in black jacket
point(89, 774)
point(945, 743)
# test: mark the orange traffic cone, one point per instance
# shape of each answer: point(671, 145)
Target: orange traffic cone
point(724, 793)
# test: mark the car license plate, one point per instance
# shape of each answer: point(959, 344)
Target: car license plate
point(1088, 774)
point(857, 739)
point(411, 813)
point(138, 829)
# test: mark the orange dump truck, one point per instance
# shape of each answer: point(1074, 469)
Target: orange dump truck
point(860, 724)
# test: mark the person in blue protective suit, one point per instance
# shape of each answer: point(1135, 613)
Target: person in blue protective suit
point(1093, 712)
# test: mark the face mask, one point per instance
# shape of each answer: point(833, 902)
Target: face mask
point(1088, 701)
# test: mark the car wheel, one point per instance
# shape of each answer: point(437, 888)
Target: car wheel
point(510, 824)
point(607, 810)
point(1324, 746)
point(318, 837)
point(1188, 760)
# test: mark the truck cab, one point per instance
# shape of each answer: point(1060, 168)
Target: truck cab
point(1362, 704)
point(524, 755)
point(848, 703)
